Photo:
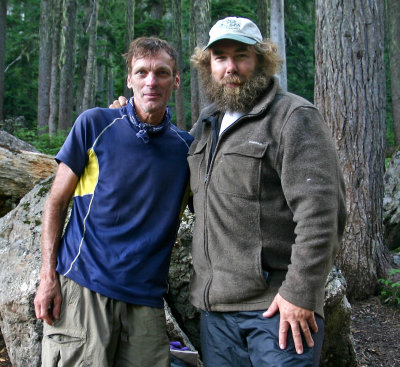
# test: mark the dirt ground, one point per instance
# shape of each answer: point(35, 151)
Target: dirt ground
point(375, 328)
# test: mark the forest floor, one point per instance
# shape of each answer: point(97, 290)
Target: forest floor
point(375, 329)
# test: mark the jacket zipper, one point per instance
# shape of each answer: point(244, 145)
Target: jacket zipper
point(206, 182)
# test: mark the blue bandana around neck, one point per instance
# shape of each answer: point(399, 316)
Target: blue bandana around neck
point(146, 129)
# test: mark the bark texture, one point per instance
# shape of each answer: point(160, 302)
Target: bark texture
point(21, 167)
point(87, 101)
point(200, 20)
point(263, 17)
point(277, 35)
point(177, 36)
point(393, 8)
point(44, 64)
point(53, 100)
point(129, 34)
point(350, 93)
point(66, 101)
point(3, 17)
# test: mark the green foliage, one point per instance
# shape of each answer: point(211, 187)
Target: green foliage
point(390, 289)
point(227, 8)
point(300, 60)
point(149, 27)
point(43, 143)
point(22, 59)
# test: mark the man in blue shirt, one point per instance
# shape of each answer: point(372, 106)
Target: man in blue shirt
point(102, 282)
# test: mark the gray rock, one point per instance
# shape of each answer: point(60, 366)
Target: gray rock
point(14, 144)
point(19, 276)
point(391, 202)
point(338, 348)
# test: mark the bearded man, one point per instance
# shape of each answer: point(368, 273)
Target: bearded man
point(269, 200)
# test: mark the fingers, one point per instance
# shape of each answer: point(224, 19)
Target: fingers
point(298, 344)
point(283, 331)
point(42, 311)
point(118, 103)
point(307, 334)
point(298, 319)
point(115, 104)
point(122, 101)
point(48, 301)
point(272, 309)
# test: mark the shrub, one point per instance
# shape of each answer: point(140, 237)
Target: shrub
point(390, 288)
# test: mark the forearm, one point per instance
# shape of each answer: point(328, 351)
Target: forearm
point(52, 228)
point(55, 212)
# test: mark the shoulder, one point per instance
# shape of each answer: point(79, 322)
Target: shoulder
point(181, 134)
point(292, 100)
point(98, 118)
point(98, 113)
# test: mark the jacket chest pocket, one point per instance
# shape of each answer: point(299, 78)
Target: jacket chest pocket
point(197, 164)
point(238, 170)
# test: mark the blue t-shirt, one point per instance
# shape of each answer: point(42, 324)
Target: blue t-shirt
point(126, 205)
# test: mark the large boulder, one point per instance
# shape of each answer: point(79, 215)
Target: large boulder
point(391, 202)
point(19, 276)
point(21, 168)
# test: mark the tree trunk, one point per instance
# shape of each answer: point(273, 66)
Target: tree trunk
point(87, 101)
point(67, 71)
point(277, 35)
point(263, 17)
point(3, 17)
point(129, 34)
point(177, 36)
point(54, 67)
point(200, 26)
point(393, 7)
point(110, 80)
point(45, 33)
point(350, 93)
point(157, 9)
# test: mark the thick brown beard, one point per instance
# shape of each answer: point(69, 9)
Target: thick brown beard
point(235, 99)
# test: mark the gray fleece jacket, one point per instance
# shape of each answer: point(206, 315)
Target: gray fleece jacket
point(269, 204)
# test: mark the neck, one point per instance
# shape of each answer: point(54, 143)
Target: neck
point(149, 117)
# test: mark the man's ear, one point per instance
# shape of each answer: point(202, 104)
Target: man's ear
point(177, 81)
point(128, 82)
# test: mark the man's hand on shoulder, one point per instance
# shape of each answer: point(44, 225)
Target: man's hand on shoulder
point(48, 300)
point(118, 103)
point(299, 319)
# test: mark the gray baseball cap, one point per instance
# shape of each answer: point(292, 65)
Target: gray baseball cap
point(237, 29)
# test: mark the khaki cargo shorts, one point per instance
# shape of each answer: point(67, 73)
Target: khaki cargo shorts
point(94, 330)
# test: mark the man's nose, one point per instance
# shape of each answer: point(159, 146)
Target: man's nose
point(231, 67)
point(151, 79)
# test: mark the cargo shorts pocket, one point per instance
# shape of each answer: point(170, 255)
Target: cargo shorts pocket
point(63, 347)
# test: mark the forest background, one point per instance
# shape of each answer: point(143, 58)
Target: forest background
point(60, 57)
point(82, 45)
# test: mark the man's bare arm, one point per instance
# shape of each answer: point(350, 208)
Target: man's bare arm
point(48, 297)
